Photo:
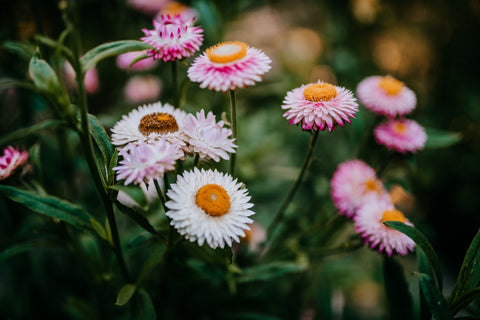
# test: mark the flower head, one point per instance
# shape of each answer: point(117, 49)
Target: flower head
point(149, 123)
point(209, 207)
point(173, 38)
point(319, 105)
point(207, 138)
point(124, 61)
point(354, 183)
point(386, 96)
point(147, 161)
point(11, 160)
point(369, 224)
point(175, 7)
point(228, 66)
point(143, 88)
point(401, 135)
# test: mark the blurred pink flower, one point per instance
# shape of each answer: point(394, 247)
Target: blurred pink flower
point(386, 96)
point(401, 135)
point(11, 159)
point(141, 89)
point(150, 7)
point(320, 105)
point(92, 84)
point(255, 236)
point(173, 38)
point(369, 224)
point(173, 7)
point(228, 66)
point(125, 59)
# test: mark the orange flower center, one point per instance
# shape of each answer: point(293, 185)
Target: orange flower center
point(225, 52)
point(174, 8)
point(213, 199)
point(373, 185)
point(319, 92)
point(390, 85)
point(399, 128)
point(157, 122)
point(393, 215)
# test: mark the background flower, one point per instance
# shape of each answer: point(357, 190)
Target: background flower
point(11, 160)
point(401, 135)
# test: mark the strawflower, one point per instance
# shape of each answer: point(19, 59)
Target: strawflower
point(320, 105)
point(401, 135)
point(124, 61)
point(228, 66)
point(11, 160)
point(209, 207)
point(175, 7)
point(143, 88)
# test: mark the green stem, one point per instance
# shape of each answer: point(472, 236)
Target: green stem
point(233, 121)
point(176, 98)
point(160, 193)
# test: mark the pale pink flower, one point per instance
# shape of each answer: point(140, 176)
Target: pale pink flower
point(143, 88)
point(228, 66)
point(386, 96)
point(320, 105)
point(174, 7)
point(91, 81)
point(150, 7)
point(11, 160)
point(208, 138)
point(353, 183)
point(173, 38)
point(369, 224)
point(147, 161)
point(401, 135)
point(255, 236)
point(124, 61)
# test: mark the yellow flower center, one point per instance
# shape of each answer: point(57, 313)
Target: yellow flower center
point(390, 85)
point(158, 122)
point(174, 8)
point(213, 199)
point(393, 215)
point(225, 52)
point(319, 92)
point(373, 185)
point(399, 128)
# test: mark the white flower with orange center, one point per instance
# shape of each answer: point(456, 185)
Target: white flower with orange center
point(150, 123)
point(353, 183)
point(209, 207)
point(228, 66)
point(320, 105)
point(401, 135)
point(386, 96)
point(369, 224)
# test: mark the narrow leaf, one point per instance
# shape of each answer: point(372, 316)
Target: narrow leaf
point(424, 267)
point(141, 220)
point(99, 229)
point(24, 50)
point(270, 271)
point(125, 293)
point(100, 137)
point(23, 133)
point(465, 299)
point(396, 287)
point(134, 192)
point(20, 248)
point(110, 49)
point(423, 243)
point(144, 308)
point(440, 139)
point(434, 298)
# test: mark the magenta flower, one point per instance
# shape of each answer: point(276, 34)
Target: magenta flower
point(320, 105)
point(228, 66)
point(386, 96)
point(369, 224)
point(173, 38)
point(401, 135)
point(11, 160)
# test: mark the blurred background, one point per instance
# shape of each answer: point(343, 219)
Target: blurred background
point(432, 46)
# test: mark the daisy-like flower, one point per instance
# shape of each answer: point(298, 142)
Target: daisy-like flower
point(401, 135)
point(150, 123)
point(386, 96)
point(369, 224)
point(320, 105)
point(228, 66)
point(209, 207)
point(147, 161)
point(173, 38)
point(207, 138)
point(11, 160)
point(353, 183)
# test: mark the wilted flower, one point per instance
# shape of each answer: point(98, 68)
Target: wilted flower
point(11, 160)
point(401, 135)
point(228, 66)
point(209, 207)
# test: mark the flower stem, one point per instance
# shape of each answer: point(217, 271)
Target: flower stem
point(233, 121)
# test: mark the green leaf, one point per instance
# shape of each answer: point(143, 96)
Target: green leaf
point(434, 298)
point(20, 248)
point(396, 287)
point(134, 192)
point(270, 271)
point(424, 267)
point(465, 299)
point(423, 243)
point(100, 137)
point(24, 50)
point(141, 220)
point(138, 58)
point(143, 307)
point(113, 163)
point(30, 131)
point(50, 206)
point(440, 139)
point(110, 49)
point(125, 293)
point(469, 274)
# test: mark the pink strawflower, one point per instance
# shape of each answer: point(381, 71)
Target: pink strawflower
point(11, 160)
point(143, 88)
point(401, 135)
point(228, 66)
point(173, 38)
point(320, 105)
point(386, 96)
point(353, 183)
point(174, 7)
point(91, 81)
point(369, 224)
point(124, 61)
point(147, 161)
point(150, 7)
point(207, 138)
